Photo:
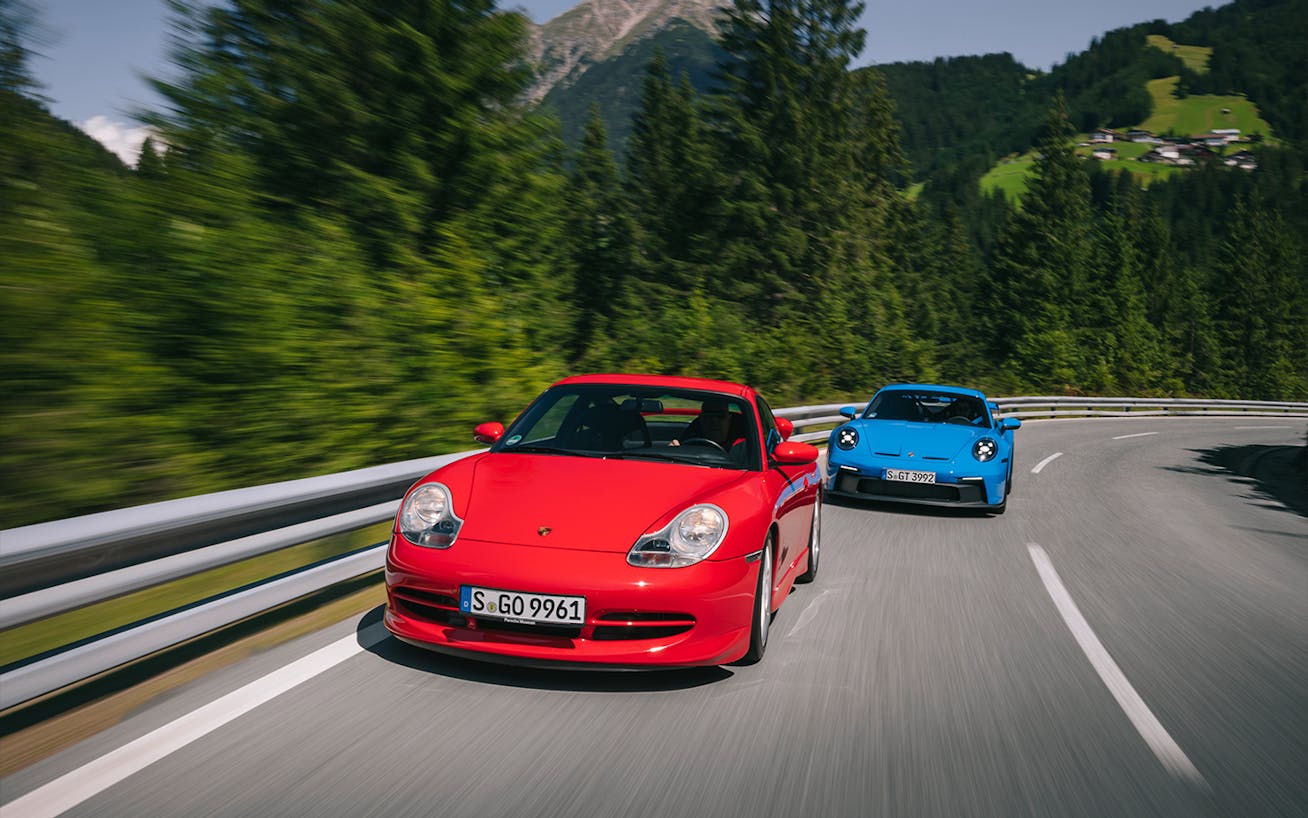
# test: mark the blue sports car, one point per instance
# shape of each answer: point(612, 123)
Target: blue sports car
point(924, 443)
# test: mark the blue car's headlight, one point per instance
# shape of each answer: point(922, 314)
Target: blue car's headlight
point(985, 449)
point(846, 437)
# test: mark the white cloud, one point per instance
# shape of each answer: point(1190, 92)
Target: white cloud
point(121, 139)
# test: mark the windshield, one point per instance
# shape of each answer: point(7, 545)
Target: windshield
point(928, 407)
point(617, 421)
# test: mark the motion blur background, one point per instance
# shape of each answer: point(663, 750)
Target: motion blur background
point(349, 238)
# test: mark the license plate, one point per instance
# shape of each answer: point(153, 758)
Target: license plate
point(522, 608)
point(903, 476)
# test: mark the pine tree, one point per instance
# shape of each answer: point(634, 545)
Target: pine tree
point(382, 112)
point(672, 183)
point(1041, 267)
point(601, 235)
point(17, 20)
point(1260, 316)
point(1117, 326)
point(808, 152)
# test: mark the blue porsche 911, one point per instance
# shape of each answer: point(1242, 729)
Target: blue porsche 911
point(924, 443)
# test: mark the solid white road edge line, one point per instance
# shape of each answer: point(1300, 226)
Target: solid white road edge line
point(1050, 459)
point(1137, 434)
point(1150, 729)
point(73, 788)
point(1247, 428)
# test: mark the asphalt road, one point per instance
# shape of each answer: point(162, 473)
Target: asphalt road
point(1131, 638)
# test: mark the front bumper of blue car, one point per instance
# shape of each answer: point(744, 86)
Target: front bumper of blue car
point(952, 490)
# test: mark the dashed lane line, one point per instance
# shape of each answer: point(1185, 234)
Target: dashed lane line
point(1050, 459)
point(1150, 729)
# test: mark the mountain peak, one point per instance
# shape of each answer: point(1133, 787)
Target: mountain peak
point(594, 30)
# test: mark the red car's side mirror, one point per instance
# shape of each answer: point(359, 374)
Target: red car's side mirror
point(794, 454)
point(785, 427)
point(488, 432)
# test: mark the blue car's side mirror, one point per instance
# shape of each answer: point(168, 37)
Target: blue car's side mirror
point(1009, 424)
point(850, 412)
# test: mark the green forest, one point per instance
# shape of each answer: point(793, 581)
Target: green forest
point(351, 241)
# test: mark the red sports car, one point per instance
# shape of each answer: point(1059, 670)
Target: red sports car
point(620, 521)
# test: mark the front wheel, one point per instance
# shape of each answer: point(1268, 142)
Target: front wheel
point(762, 616)
point(814, 542)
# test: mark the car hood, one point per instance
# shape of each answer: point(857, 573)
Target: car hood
point(589, 504)
point(899, 438)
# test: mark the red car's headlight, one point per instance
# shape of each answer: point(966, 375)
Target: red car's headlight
point(427, 517)
point(690, 538)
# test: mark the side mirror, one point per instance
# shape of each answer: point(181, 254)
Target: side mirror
point(488, 432)
point(850, 412)
point(794, 454)
point(785, 427)
point(1009, 424)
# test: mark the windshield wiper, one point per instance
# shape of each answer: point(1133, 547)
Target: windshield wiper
point(688, 458)
point(536, 448)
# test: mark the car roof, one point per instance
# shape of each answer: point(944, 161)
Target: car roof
point(664, 382)
point(934, 387)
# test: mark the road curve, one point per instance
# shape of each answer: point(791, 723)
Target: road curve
point(1131, 638)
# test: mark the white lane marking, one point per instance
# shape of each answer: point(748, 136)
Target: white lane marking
point(1137, 434)
point(1263, 427)
point(1150, 729)
point(809, 613)
point(73, 788)
point(1050, 459)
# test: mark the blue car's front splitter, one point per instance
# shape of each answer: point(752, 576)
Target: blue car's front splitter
point(962, 494)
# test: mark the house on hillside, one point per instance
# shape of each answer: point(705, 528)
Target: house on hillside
point(1198, 153)
point(1103, 153)
point(1144, 137)
point(1244, 160)
point(1209, 140)
point(1106, 135)
point(1229, 134)
point(1165, 153)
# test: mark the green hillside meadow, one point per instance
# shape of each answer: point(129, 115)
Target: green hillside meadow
point(1201, 113)
point(1196, 114)
point(1195, 57)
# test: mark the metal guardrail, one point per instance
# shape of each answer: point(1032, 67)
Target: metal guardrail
point(53, 567)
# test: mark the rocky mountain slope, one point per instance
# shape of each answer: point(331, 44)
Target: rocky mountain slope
point(595, 30)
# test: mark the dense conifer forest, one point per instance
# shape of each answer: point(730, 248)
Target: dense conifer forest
point(350, 241)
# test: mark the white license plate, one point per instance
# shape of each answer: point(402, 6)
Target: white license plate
point(523, 608)
point(903, 476)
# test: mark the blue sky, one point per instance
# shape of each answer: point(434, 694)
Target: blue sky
point(93, 53)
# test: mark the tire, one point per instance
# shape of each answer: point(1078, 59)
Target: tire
point(814, 543)
point(761, 617)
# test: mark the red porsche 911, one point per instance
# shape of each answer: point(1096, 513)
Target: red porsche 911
point(620, 521)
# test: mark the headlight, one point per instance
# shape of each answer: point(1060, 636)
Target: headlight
point(427, 517)
point(690, 538)
point(985, 449)
point(846, 437)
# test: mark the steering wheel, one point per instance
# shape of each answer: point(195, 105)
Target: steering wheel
point(688, 441)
